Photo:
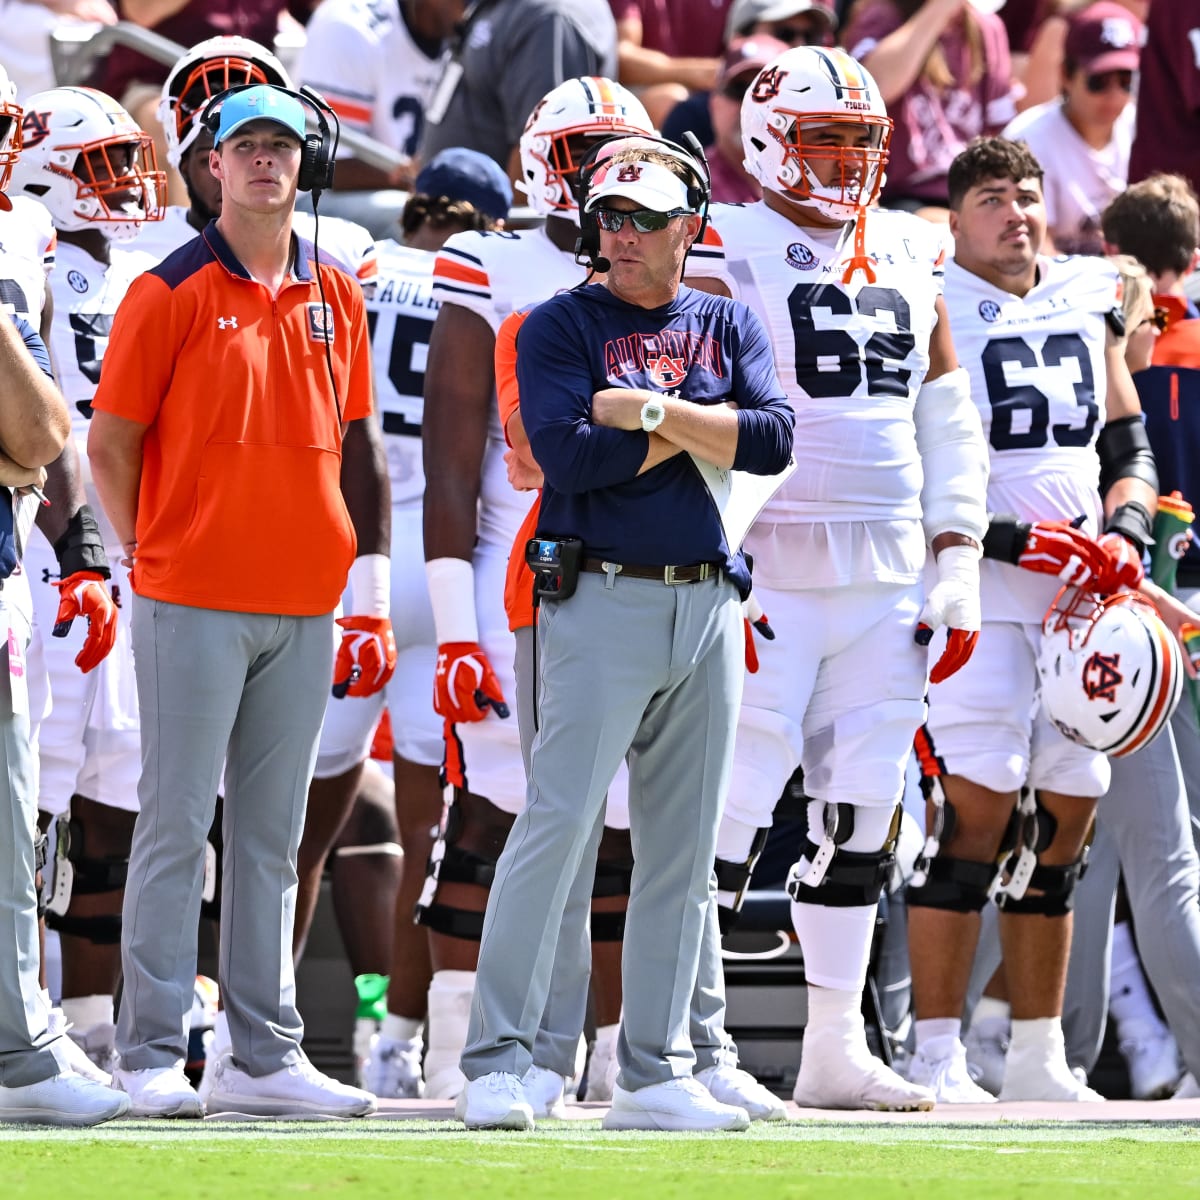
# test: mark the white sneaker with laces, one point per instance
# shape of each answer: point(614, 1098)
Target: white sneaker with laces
point(681, 1104)
point(1188, 1088)
point(838, 1071)
point(298, 1090)
point(158, 1092)
point(494, 1101)
point(1152, 1056)
point(947, 1077)
point(544, 1089)
point(65, 1099)
point(733, 1086)
point(985, 1059)
point(77, 1058)
point(393, 1070)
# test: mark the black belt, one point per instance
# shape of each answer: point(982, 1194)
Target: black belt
point(693, 573)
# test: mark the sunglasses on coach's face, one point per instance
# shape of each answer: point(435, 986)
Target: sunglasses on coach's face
point(1105, 80)
point(798, 35)
point(645, 220)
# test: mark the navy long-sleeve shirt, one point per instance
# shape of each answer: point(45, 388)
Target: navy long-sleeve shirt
point(707, 348)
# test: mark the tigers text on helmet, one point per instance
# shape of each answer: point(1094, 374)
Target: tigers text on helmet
point(206, 70)
point(85, 158)
point(565, 122)
point(1111, 672)
point(806, 89)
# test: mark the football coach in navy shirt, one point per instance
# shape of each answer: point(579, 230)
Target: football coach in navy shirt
point(624, 384)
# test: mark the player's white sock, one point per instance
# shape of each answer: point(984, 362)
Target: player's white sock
point(400, 1029)
point(836, 943)
point(936, 1035)
point(1129, 993)
point(446, 1028)
point(86, 1012)
point(991, 1018)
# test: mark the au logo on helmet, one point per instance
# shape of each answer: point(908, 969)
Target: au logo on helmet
point(1101, 678)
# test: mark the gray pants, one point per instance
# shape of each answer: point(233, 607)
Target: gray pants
point(28, 1053)
point(566, 1005)
point(246, 691)
point(1144, 830)
point(635, 668)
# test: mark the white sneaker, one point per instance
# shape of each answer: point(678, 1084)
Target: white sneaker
point(65, 1099)
point(544, 1089)
point(985, 1059)
point(77, 1058)
point(158, 1092)
point(1150, 1053)
point(602, 1070)
point(393, 1069)
point(947, 1077)
point(840, 1072)
point(298, 1090)
point(677, 1105)
point(494, 1101)
point(1188, 1088)
point(738, 1088)
point(1036, 1076)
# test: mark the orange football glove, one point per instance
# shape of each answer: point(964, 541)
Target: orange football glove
point(1122, 567)
point(754, 620)
point(954, 602)
point(1059, 548)
point(464, 684)
point(366, 658)
point(86, 595)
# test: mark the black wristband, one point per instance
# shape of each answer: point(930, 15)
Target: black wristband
point(1134, 523)
point(1005, 538)
point(81, 548)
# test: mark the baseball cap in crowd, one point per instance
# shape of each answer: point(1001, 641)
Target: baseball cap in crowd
point(260, 103)
point(461, 174)
point(746, 57)
point(745, 14)
point(648, 185)
point(1103, 37)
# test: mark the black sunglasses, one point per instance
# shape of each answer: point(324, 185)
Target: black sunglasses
point(1104, 81)
point(798, 35)
point(1160, 318)
point(645, 220)
point(737, 88)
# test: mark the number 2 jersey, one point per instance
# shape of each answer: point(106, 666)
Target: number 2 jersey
point(1039, 381)
point(851, 356)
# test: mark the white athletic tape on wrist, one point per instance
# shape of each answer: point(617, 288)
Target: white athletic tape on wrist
point(954, 456)
point(452, 595)
point(371, 585)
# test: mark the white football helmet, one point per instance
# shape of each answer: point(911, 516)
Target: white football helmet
point(206, 70)
point(10, 128)
point(561, 128)
point(1111, 672)
point(72, 139)
point(808, 87)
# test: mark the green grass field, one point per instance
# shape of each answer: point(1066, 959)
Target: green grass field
point(575, 1160)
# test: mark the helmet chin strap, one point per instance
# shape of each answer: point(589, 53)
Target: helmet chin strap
point(860, 260)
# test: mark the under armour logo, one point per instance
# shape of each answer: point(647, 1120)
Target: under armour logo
point(227, 323)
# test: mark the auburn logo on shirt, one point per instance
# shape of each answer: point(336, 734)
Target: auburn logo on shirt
point(320, 323)
point(666, 370)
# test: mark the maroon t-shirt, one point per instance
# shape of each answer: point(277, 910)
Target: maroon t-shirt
point(1167, 137)
point(201, 19)
point(729, 185)
point(932, 126)
point(680, 28)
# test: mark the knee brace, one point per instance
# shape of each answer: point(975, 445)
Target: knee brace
point(1035, 829)
point(77, 874)
point(466, 851)
point(614, 874)
point(941, 880)
point(834, 877)
point(733, 880)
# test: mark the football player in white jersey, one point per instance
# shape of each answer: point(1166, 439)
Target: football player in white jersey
point(459, 190)
point(471, 518)
point(93, 169)
point(377, 63)
point(1069, 459)
point(891, 460)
